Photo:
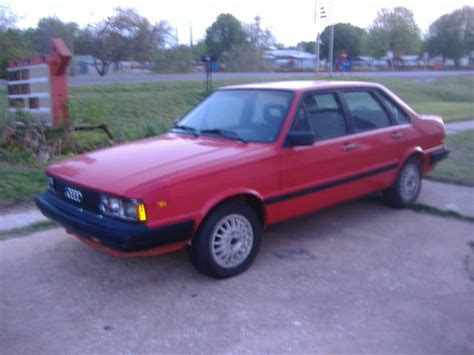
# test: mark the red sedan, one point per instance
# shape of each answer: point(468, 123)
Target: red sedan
point(245, 157)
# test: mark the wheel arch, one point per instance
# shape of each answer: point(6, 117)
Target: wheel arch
point(251, 199)
point(415, 152)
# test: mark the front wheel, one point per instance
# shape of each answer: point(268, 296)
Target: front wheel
point(227, 241)
point(407, 187)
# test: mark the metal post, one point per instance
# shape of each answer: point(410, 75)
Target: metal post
point(317, 53)
point(331, 44)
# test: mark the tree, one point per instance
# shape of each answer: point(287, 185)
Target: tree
point(226, 32)
point(13, 46)
point(13, 43)
point(124, 36)
point(347, 38)
point(173, 60)
point(309, 47)
point(260, 38)
point(49, 27)
point(394, 30)
point(134, 36)
point(452, 35)
point(7, 19)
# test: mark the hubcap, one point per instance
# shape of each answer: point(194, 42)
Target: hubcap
point(232, 240)
point(409, 183)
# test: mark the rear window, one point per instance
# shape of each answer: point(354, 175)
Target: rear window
point(367, 113)
point(400, 115)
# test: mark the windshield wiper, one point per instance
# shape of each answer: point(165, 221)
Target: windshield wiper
point(224, 133)
point(192, 130)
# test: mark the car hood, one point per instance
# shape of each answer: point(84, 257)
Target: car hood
point(122, 168)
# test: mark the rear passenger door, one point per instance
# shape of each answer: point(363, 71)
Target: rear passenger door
point(320, 174)
point(375, 136)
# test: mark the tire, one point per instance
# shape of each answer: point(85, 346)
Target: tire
point(227, 241)
point(407, 187)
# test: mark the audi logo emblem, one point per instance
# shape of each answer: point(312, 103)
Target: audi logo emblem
point(73, 194)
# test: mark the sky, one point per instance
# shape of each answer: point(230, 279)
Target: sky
point(290, 21)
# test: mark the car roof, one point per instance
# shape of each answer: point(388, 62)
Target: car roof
point(304, 85)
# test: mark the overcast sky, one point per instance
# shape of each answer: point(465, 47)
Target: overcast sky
point(289, 20)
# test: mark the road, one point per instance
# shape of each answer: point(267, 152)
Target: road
point(356, 278)
point(93, 79)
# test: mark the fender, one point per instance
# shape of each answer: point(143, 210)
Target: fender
point(225, 195)
point(416, 150)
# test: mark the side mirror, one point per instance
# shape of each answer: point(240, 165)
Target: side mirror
point(300, 138)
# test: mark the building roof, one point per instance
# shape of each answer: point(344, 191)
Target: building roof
point(290, 53)
point(365, 58)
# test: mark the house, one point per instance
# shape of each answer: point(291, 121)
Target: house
point(81, 64)
point(410, 61)
point(363, 63)
point(291, 59)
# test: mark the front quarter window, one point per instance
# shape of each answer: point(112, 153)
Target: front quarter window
point(253, 115)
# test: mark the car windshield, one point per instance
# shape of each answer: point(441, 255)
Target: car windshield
point(247, 115)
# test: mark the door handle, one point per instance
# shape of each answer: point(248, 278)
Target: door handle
point(349, 146)
point(396, 135)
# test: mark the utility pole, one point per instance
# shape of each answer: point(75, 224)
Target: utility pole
point(331, 45)
point(321, 15)
point(317, 54)
point(191, 42)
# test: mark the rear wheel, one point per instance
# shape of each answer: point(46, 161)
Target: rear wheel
point(227, 241)
point(407, 187)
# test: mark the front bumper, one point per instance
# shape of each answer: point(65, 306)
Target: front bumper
point(122, 236)
point(438, 155)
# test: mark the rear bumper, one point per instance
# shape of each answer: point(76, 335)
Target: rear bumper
point(112, 234)
point(438, 155)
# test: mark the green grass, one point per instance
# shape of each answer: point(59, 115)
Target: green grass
point(459, 167)
point(135, 110)
point(19, 183)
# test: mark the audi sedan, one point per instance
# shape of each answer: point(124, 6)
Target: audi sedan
point(246, 157)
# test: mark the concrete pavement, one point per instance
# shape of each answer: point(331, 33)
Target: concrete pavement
point(448, 197)
point(357, 278)
point(459, 126)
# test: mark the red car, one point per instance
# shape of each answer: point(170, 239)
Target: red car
point(246, 157)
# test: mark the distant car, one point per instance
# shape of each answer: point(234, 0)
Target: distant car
point(246, 157)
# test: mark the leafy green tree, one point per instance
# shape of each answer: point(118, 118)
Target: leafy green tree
point(49, 27)
point(394, 30)
point(226, 32)
point(173, 60)
point(309, 47)
point(13, 43)
point(452, 35)
point(347, 38)
point(13, 46)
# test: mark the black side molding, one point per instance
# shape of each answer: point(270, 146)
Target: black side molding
point(328, 185)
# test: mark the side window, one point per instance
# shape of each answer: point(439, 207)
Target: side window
point(366, 111)
point(301, 123)
point(325, 115)
point(397, 112)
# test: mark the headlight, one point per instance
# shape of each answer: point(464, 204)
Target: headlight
point(132, 210)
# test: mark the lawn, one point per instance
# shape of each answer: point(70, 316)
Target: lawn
point(459, 167)
point(135, 110)
point(19, 183)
